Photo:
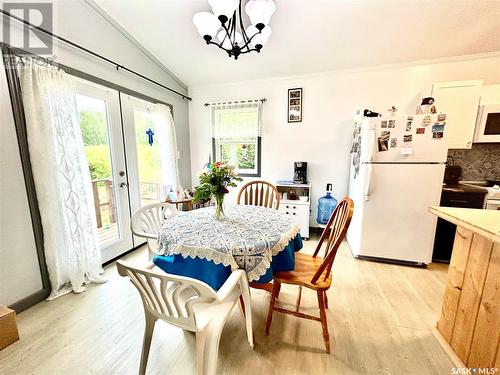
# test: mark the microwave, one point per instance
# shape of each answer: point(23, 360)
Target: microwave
point(488, 123)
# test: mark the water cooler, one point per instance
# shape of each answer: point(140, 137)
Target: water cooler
point(326, 205)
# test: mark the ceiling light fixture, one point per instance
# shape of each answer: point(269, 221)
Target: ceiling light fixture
point(224, 25)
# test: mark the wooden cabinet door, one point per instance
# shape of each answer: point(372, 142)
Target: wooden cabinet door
point(486, 338)
point(470, 297)
point(456, 274)
point(460, 100)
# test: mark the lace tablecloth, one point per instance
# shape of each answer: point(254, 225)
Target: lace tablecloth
point(247, 239)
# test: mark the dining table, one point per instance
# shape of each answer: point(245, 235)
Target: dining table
point(259, 240)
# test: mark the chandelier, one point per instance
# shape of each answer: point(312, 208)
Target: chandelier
point(224, 26)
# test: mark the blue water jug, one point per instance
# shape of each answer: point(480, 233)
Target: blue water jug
point(326, 205)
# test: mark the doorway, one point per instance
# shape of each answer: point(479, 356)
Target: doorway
point(122, 142)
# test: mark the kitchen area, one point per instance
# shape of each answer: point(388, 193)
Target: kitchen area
point(426, 187)
point(468, 226)
point(472, 173)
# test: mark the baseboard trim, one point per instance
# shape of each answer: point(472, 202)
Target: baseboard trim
point(447, 348)
point(30, 300)
point(107, 263)
point(391, 261)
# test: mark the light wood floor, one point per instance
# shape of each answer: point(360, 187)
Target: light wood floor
point(380, 321)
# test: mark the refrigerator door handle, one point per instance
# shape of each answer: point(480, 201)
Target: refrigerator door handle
point(369, 182)
point(369, 176)
point(373, 141)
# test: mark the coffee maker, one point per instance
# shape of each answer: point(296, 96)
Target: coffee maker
point(300, 172)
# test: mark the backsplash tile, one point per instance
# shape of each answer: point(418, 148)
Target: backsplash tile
point(481, 162)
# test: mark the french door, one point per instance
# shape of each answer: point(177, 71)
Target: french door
point(100, 123)
point(144, 152)
point(123, 144)
point(146, 147)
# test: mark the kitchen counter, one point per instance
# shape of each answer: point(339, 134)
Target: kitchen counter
point(461, 188)
point(469, 325)
point(483, 222)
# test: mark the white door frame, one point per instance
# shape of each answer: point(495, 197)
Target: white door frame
point(130, 103)
point(118, 165)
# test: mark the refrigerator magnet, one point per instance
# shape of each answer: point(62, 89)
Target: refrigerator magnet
point(420, 130)
point(394, 142)
point(392, 123)
point(383, 124)
point(426, 121)
point(442, 117)
point(437, 128)
point(437, 135)
point(408, 126)
point(407, 138)
point(383, 141)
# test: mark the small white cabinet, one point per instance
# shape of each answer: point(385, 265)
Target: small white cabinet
point(460, 101)
point(291, 205)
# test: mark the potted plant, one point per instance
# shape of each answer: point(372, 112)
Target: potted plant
point(214, 181)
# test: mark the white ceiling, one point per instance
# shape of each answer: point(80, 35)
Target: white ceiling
point(314, 35)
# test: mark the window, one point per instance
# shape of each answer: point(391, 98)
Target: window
point(236, 135)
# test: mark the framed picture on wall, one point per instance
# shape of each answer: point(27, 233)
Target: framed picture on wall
point(295, 105)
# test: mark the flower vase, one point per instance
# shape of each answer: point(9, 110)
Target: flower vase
point(219, 208)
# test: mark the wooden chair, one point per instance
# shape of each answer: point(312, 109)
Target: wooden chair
point(314, 272)
point(259, 193)
point(147, 221)
point(191, 305)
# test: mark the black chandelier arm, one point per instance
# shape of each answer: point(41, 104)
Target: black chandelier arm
point(246, 40)
point(220, 46)
point(249, 40)
point(228, 29)
point(241, 48)
point(250, 50)
point(225, 36)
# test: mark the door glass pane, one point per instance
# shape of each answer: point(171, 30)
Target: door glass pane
point(95, 131)
point(148, 158)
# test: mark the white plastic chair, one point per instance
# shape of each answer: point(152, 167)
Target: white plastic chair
point(192, 305)
point(147, 221)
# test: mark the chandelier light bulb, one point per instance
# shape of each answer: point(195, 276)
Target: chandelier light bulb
point(260, 12)
point(224, 9)
point(206, 24)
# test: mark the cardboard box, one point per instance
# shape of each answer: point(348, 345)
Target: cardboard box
point(8, 327)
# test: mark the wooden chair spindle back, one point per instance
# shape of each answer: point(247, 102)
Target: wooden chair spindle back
point(259, 193)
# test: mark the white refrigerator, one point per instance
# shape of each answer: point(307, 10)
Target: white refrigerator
point(397, 169)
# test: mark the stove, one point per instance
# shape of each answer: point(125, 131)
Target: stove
point(492, 199)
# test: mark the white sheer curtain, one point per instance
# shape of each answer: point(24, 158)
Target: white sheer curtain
point(236, 119)
point(164, 123)
point(62, 180)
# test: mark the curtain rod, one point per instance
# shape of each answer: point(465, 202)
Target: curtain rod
point(21, 54)
point(86, 50)
point(236, 102)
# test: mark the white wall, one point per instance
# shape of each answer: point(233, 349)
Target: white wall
point(19, 269)
point(330, 100)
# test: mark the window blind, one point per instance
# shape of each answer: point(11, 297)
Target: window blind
point(236, 120)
